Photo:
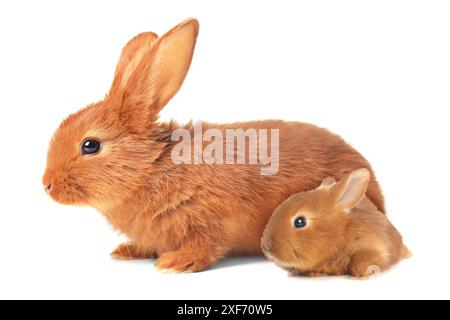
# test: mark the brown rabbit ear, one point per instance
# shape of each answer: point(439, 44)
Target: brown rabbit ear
point(349, 192)
point(159, 74)
point(131, 56)
point(172, 60)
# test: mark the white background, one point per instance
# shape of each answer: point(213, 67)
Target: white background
point(376, 72)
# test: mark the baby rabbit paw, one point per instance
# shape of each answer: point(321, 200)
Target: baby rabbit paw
point(364, 272)
point(366, 264)
point(129, 251)
point(183, 262)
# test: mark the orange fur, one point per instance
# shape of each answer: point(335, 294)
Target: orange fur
point(188, 215)
point(345, 233)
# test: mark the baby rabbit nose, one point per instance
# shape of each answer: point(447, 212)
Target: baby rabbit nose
point(267, 245)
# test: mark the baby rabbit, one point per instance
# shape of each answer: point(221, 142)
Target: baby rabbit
point(115, 156)
point(333, 230)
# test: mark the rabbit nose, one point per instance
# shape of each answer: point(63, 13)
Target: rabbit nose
point(267, 245)
point(47, 182)
point(48, 187)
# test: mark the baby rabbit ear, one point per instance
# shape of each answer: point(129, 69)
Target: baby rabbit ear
point(158, 71)
point(351, 189)
point(131, 56)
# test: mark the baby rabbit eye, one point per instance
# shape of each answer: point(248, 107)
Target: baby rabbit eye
point(300, 222)
point(90, 147)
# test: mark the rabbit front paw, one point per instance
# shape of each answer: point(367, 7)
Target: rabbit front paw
point(184, 262)
point(129, 251)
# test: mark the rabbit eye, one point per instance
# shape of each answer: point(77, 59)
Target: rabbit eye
point(300, 222)
point(90, 147)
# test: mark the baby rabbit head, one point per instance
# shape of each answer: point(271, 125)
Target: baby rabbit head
point(101, 155)
point(309, 227)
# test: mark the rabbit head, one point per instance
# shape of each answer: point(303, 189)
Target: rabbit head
point(100, 155)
